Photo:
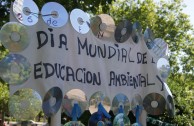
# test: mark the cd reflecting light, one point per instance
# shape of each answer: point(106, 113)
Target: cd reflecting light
point(14, 37)
point(25, 104)
point(54, 14)
point(26, 11)
point(160, 48)
point(123, 31)
point(120, 100)
point(121, 120)
point(74, 96)
point(15, 69)
point(163, 67)
point(52, 101)
point(97, 98)
point(80, 21)
point(103, 26)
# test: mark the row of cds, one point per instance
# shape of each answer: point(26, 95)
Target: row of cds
point(26, 103)
point(16, 69)
point(102, 26)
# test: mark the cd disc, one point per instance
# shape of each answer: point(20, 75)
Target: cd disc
point(97, 119)
point(160, 48)
point(54, 14)
point(149, 38)
point(136, 32)
point(72, 97)
point(80, 21)
point(97, 98)
point(74, 123)
point(26, 11)
point(170, 106)
point(154, 104)
point(14, 37)
point(120, 100)
point(121, 120)
point(136, 100)
point(15, 69)
point(52, 101)
point(123, 31)
point(25, 104)
point(103, 26)
point(163, 67)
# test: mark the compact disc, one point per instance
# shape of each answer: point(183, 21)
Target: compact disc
point(120, 100)
point(80, 21)
point(97, 119)
point(170, 106)
point(149, 38)
point(25, 104)
point(26, 11)
point(74, 123)
point(136, 32)
point(15, 69)
point(103, 26)
point(136, 100)
point(163, 67)
point(74, 96)
point(123, 31)
point(154, 103)
point(54, 14)
point(97, 98)
point(14, 37)
point(121, 120)
point(160, 48)
point(52, 101)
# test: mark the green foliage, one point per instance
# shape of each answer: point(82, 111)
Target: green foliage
point(4, 97)
point(167, 21)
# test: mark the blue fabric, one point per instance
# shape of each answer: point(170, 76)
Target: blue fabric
point(101, 110)
point(121, 109)
point(76, 112)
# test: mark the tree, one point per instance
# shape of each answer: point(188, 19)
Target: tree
point(167, 21)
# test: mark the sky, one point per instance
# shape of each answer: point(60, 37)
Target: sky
point(189, 10)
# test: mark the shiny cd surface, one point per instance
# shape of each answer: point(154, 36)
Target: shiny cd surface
point(74, 96)
point(120, 100)
point(15, 69)
point(154, 103)
point(149, 38)
point(97, 98)
point(25, 104)
point(74, 123)
point(14, 37)
point(160, 48)
point(136, 32)
point(163, 67)
point(97, 119)
point(54, 14)
point(121, 120)
point(52, 101)
point(103, 26)
point(26, 11)
point(123, 31)
point(80, 21)
point(136, 100)
point(170, 106)
point(136, 124)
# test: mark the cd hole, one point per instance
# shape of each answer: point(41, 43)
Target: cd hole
point(80, 20)
point(154, 104)
point(54, 14)
point(52, 101)
point(123, 31)
point(103, 26)
point(15, 36)
point(26, 11)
